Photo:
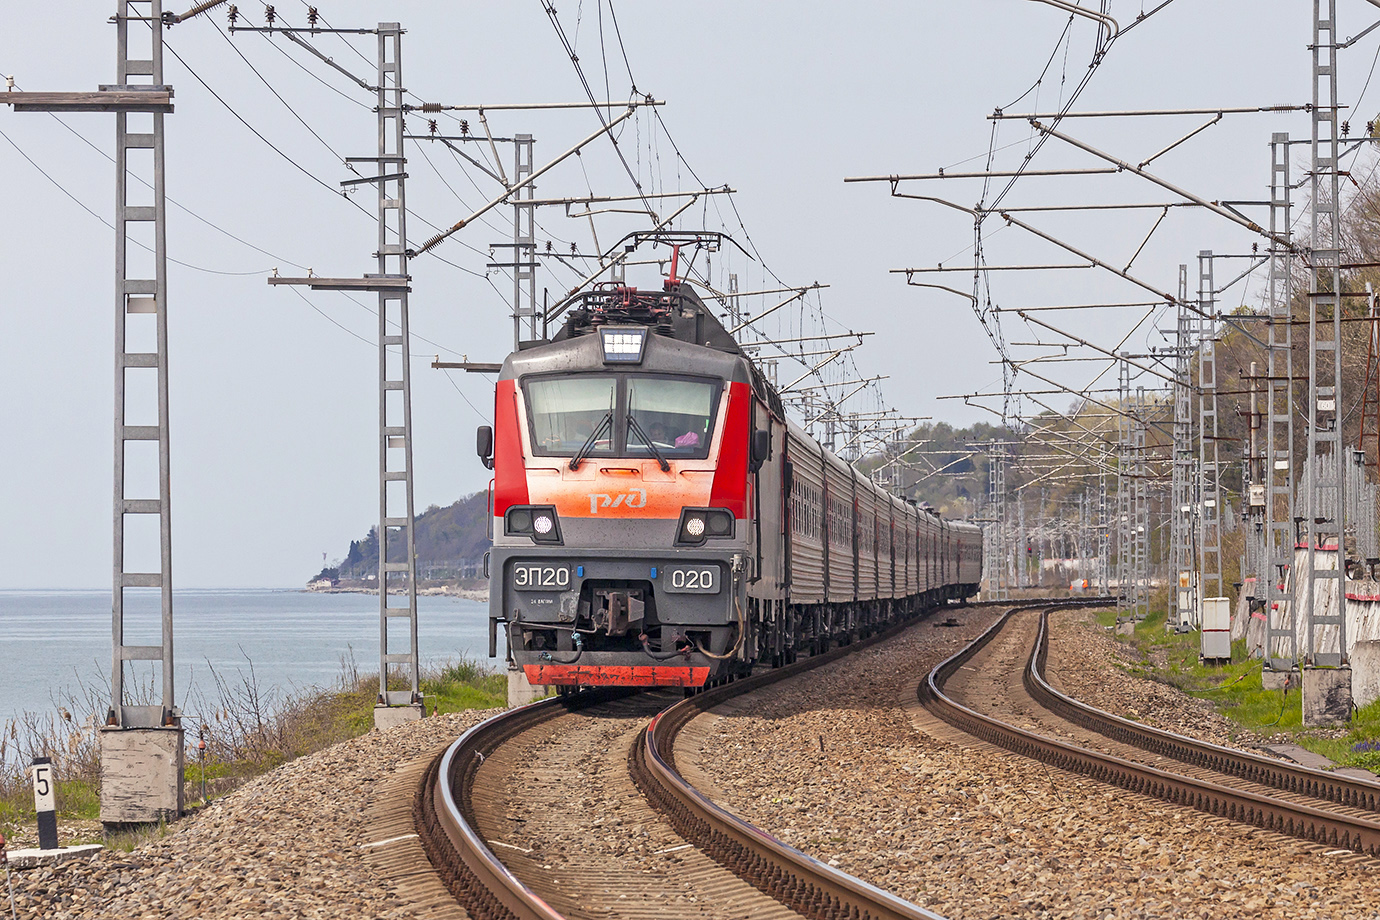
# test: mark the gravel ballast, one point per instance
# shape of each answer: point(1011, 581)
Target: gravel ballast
point(290, 844)
point(833, 764)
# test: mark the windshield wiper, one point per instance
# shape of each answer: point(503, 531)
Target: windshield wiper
point(605, 422)
point(634, 426)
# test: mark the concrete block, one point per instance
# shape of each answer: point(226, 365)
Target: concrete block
point(1216, 645)
point(391, 716)
point(32, 859)
point(1271, 679)
point(520, 692)
point(1125, 627)
point(141, 775)
point(1326, 696)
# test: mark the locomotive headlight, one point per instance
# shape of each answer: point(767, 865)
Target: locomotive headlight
point(539, 522)
point(698, 524)
point(719, 523)
point(623, 344)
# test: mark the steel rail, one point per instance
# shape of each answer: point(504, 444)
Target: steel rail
point(1266, 771)
point(485, 888)
point(792, 877)
point(1312, 824)
point(444, 817)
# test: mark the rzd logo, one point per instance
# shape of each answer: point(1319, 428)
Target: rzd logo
point(633, 498)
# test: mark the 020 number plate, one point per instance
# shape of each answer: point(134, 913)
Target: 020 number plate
point(541, 577)
point(691, 579)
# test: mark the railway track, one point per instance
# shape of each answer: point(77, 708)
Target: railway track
point(678, 852)
point(1003, 670)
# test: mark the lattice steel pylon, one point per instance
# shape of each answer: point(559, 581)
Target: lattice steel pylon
point(396, 511)
point(1281, 652)
point(1253, 565)
point(397, 571)
point(1104, 531)
point(142, 744)
point(135, 296)
point(1022, 556)
point(528, 319)
point(1125, 502)
point(1140, 504)
point(1368, 442)
point(1209, 472)
point(141, 301)
point(993, 546)
point(1181, 562)
point(1324, 488)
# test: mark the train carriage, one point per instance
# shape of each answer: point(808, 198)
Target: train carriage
point(658, 521)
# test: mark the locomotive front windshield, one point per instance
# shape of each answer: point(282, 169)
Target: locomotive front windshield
point(566, 411)
point(640, 415)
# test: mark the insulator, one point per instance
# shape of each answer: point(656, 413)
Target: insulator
point(311, 16)
point(431, 124)
point(270, 14)
point(431, 106)
point(465, 126)
point(234, 14)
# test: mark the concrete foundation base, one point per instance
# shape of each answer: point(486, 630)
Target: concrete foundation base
point(141, 775)
point(390, 716)
point(1125, 627)
point(520, 692)
point(32, 859)
point(1271, 679)
point(1326, 696)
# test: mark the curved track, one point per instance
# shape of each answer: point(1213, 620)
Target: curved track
point(1323, 808)
point(682, 842)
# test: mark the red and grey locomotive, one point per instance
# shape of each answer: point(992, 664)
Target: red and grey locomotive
point(658, 521)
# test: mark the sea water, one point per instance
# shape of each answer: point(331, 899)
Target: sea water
point(54, 643)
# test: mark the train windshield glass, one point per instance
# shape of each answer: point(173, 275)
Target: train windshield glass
point(630, 415)
point(566, 411)
point(674, 415)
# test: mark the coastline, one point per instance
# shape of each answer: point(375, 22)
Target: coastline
point(470, 594)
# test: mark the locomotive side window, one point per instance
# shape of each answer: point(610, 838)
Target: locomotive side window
point(567, 410)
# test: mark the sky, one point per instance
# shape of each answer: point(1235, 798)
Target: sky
point(273, 391)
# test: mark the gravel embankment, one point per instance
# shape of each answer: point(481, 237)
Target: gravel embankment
point(286, 845)
point(833, 765)
point(1088, 665)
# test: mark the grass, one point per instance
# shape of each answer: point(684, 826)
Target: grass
point(1235, 690)
point(247, 730)
point(465, 684)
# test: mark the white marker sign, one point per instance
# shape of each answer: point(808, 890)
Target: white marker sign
point(43, 787)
